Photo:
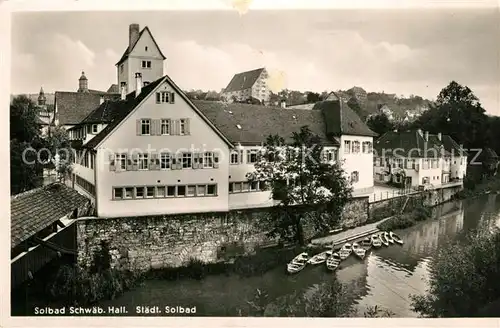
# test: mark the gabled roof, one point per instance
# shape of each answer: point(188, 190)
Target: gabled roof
point(252, 124)
point(413, 144)
point(342, 120)
point(36, 209)
point(243, 80)
point(113, 88)
point(119, 110)
point(105, 113)
point(130, 49)
point(73, 107)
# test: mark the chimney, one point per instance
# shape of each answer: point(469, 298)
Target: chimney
point(138, 83)
point(133, 35)
point(283, 104)
point(123, 92)
point(420, 132)
point(426, 136)
point(440, 136)
point(101, 100)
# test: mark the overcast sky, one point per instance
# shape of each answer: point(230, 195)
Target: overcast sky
point(396, 51)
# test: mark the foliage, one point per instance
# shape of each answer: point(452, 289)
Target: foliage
point(302, 183)
point(24, 125)
point(406, 220)
point(58, 142)
point(378, 312)
point(313, 97)
point(464, 278)
point(380, 123)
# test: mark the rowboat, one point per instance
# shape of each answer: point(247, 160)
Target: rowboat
point(318, 258)
point(301, 256)
point(367, 242)
point(384, 240)
point(333, 262)
point(396, 238)
point(376, 242)
point(388, 237)
point(345, 251)
point(296, 266)
point(358, 250)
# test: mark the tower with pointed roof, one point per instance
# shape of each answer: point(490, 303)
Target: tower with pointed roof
point(83, 83)
point(42, 100)
point(142, 55)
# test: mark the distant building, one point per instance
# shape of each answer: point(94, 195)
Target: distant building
point(247, 85)
point(359, 94)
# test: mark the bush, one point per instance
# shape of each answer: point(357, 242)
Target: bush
point(397, 222)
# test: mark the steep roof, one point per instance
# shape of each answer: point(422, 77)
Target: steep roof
point(129, 49)
point(73, 107)
point(257, 122)
point(342, 120)
point(105, 113)
point(36, 209)
point(113, 88)
point(118, 111)
point(243, 80)
point(413, 144)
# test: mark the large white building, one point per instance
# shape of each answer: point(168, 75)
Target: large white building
point(155, 152)
point(418, 158)
point(248, 85)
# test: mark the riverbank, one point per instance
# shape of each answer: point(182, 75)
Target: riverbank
point(473, 189)
point(406, 220)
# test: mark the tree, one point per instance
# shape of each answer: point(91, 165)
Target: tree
point(58, 143)
point(25, 169)
point(464, 278)
point(313, 97)
point(304, 185)
point(380, 123)
point(458, 113)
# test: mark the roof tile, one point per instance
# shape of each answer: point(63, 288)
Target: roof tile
point(244, 80)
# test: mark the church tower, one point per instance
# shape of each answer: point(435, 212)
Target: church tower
point(42, 100)
point(83, 83)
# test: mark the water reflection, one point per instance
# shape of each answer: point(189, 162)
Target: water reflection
point(387, 277)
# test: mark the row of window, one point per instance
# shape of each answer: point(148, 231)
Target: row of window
point(237, 157)
point(162, 127)
point(353, 147)
point(141, 192)
point(247, 186)
point(164, 161)
point(165, 97)
point(85, 158)
point(84, 184)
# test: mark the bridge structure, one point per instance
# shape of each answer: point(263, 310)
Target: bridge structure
point(42, 228)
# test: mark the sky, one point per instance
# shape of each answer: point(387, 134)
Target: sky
point(401, 51)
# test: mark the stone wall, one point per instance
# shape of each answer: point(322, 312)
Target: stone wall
point(355, 212)
point(143, 243)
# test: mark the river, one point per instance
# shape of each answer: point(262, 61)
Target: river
point(387, 277)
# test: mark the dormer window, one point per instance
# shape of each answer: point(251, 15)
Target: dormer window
point(94, 128)
point(146, 64)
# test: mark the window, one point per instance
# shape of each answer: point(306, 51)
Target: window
point(143, 162)
point(121, 161)
point(181, 191)
point(234, 158)
point(254, 185)
point(191, 191)
point(347, 146)
point(245, 186)
point(165, 127)
point(139, 192)
point(165, 160)
point(118, 193)
point(182, 127)
point(146, 64)
point(165, 97)
point(398, 162)
point(129, 192)
point(94, 128)
point(160, 192)
point(91, 161)
point(146, 127)
point(425, 180)
point(150, 192)
point(146, 48)
point(237, 187)
point(121, 69)
point(354, 177)
point(187, 159)
point(230, 187)
point(211, 190)
point(170, 191)
point(355, 147)
point(367, 147)
point(381, 177)
point(251, 156)
point(208, 159)
point(330, 155)
point(201, 190)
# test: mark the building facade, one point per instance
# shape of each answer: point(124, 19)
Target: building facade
point(418, 158)
point(248, 85)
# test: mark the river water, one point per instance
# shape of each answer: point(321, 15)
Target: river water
point(387, 277)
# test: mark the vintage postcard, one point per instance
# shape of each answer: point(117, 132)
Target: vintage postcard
point(227, 160)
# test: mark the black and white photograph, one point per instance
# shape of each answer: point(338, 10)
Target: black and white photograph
point(250, 161)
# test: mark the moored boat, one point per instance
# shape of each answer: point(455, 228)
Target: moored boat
point(384, 240)
point(358, 250)
point(345, 251)
point(388, 237)
point(366, 242)
point(376, 242)
point(333, 262)
point(296, 265)
point(318, 258)
point(396, 238)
